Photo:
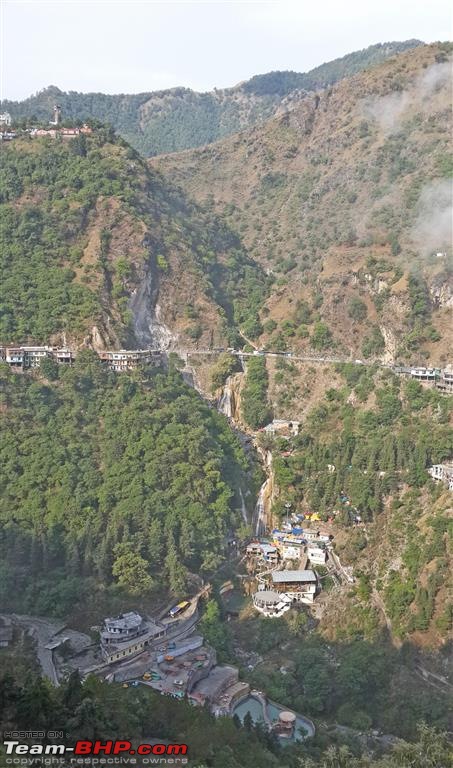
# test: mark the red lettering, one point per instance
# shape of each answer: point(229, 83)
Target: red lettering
point(177, 749)
point(100, 747)
point(159, 749)
point(121, 746)
point(144, 749)
point(83, 748)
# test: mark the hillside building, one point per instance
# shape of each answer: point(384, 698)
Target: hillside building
point(127, 635)
point(311, 535)
point(14, 356)
point(300, 586)
point(5, 119)
point(425, 374)
point(282, 427)
point(34, 355)
point(271, 603)
point(443, 473)
point(63, 356)
point(128, 359)
point(317, 554)
point(445, 381)
point(291, 550)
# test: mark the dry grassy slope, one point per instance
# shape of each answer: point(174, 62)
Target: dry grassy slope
point(336, 179)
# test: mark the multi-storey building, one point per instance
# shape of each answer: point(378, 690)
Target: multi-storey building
point(300, 586)
point(128, 359)
point(128, 635)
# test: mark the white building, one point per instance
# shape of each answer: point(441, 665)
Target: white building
point(279, 426)
point(34, 355)
point(5, 119)
point(299, 586)
point(317, 554)
point(14, 356)
point(291, 550)
point(270, 603)
point(310, 535)
point(128, 359)
point(425, 374)
point(443, 473)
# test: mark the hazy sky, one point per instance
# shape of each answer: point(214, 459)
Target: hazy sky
point(127, 47)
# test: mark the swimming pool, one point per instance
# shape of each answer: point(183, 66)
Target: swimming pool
point(254, 706)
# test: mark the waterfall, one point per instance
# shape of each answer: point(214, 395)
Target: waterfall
point(260, 516)
point(243, 507)
point(225, 405)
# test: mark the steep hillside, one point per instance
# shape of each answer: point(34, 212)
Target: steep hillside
point(175, 119)
point(344, 197)
point(97, 245)
point(126, 481)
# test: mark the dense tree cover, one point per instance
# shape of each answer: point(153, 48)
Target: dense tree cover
point(109, 479)
point(167, 121)
point(378, 456)
point(431, 750)
point(254, 403)
point(97, 710)
point(224, 367)
point(373, 450)
point(354, 683)
point(49, 195)
point(283, 83)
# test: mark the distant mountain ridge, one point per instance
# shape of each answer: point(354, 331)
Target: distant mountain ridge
point(171, 120)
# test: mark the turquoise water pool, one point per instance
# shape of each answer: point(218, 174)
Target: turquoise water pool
point(304, 728)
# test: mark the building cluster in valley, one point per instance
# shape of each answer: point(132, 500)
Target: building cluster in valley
point(182, 668)
point(280, 588)
point(26, 357)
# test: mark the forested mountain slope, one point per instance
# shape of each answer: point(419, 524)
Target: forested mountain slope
point(345, 198)
point(99, 246)
point(178, 118)
point(107, 480)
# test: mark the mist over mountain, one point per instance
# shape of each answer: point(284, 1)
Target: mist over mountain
point(344, 197)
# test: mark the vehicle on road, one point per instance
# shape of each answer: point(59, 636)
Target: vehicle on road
point(179, 608)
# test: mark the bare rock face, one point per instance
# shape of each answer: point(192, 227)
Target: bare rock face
point(441, 290)
point(97, 339)
point(149, 329)
point(391, 344)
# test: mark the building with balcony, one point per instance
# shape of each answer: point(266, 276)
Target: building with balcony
point(128, 359)
point(443, 473)
point(445, 382)
point(300, 586)
point(127, 635)
point(425, 374)
point(34, 355)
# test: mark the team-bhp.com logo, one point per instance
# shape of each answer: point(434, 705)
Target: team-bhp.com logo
point(95, 748)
